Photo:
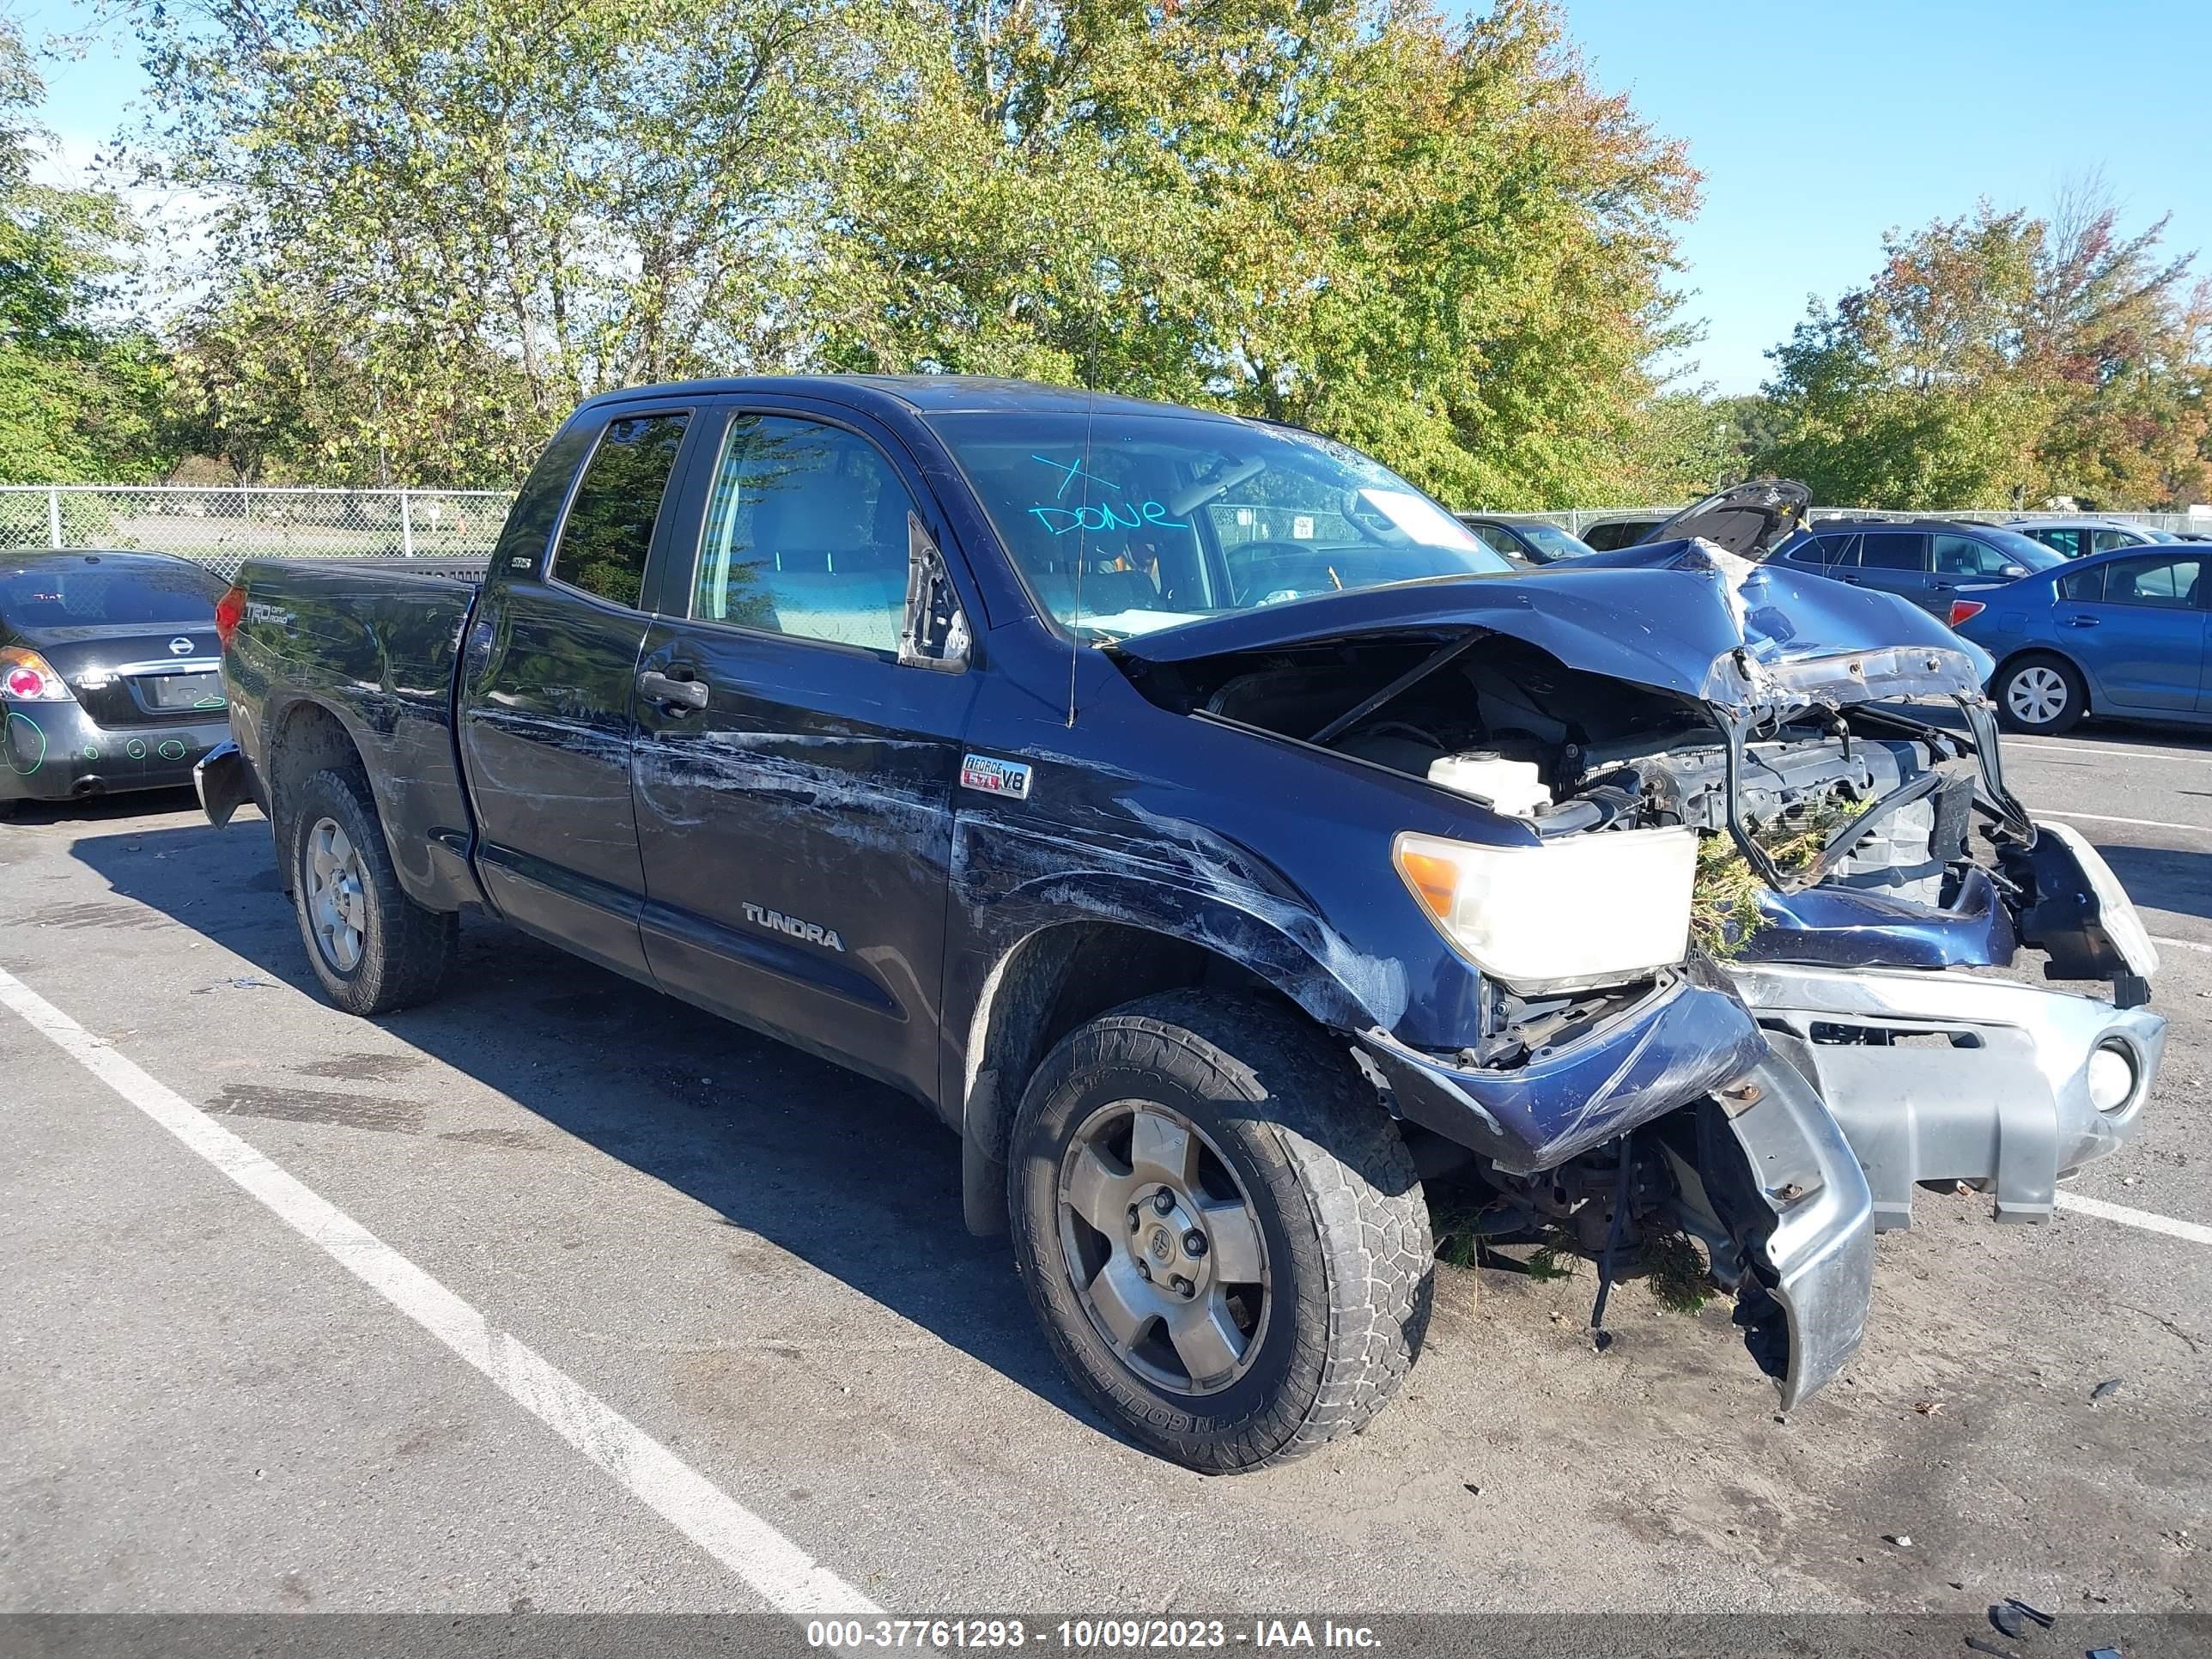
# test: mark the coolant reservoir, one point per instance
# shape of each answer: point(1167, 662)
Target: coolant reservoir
point(1510, 787)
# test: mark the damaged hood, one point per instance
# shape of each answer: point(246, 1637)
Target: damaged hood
point(1685, 616)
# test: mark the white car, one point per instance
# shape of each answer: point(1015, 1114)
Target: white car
point(2078, 537)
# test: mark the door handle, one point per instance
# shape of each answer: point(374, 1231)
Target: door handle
point(2078, 622)
point(1853, 580)
point(672, 694)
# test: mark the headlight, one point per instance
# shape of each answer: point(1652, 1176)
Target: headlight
point(1582, 910)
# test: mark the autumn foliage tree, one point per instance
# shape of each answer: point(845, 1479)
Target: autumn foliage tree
point(2000, 359)
point(438, 225)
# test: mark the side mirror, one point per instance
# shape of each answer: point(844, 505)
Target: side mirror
point(2013, 573)
point(936, 631)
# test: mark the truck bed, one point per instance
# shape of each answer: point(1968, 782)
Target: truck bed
point(375, 648)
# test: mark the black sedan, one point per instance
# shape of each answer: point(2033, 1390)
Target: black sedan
point(109, 673)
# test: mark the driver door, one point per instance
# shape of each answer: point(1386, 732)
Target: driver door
point(794, 765)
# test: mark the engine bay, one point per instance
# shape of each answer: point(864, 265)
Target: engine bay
point(1869, 800)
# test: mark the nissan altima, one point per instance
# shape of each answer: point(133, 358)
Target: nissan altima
point(109, 673)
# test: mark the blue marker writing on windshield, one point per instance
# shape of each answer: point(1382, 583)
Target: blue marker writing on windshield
point(1104, 516)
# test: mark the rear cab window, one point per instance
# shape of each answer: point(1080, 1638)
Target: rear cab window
point(608, 532)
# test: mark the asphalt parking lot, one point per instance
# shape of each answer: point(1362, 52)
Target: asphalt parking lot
point(758, 1262)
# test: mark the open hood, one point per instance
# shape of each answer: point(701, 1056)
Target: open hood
point(1684, 616)
point(1751, 518)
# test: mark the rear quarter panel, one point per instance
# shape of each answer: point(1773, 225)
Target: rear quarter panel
point(375, 649)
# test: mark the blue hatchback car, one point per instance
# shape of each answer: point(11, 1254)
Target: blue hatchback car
point(2123, 633)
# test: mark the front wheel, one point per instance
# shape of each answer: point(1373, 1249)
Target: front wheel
point(2040, 696)
point(374, 948)
point(1220, 1229)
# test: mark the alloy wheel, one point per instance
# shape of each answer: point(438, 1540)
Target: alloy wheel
point(1164, 1248)
point(338, 908)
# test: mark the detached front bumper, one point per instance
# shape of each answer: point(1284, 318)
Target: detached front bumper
point(1948, 1076)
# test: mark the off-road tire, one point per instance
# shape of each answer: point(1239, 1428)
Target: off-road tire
point(1328, 1179)
point(2076, 693)
point(406, 951)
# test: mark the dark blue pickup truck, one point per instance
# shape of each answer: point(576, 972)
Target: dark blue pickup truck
point(1223, 843)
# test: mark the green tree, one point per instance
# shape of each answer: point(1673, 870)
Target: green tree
point(1997, 359)
point(1441, 244)
point(78, 397)
point(442, 223)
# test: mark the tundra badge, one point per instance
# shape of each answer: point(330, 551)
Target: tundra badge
point(812, 932)
point(988, 776)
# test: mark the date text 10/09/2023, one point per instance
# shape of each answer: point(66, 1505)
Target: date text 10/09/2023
point(1088, 1635)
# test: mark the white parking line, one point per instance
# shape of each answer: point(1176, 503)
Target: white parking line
point(2186, 944)
point(791, 1580)
point(2011, 743)
point(2191, 1231)
point(2106, 818)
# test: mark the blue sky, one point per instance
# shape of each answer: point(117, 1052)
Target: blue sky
point(1820, 127)
point(1817, 127)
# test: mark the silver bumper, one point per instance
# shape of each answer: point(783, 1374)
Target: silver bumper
point(1807, 1220)
point(1956, 1077)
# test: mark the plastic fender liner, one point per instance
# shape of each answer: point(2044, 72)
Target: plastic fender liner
point(1799, 1205)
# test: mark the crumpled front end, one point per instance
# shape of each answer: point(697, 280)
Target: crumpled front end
point(1826, 1033)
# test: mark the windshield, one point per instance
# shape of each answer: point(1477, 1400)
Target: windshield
point(1553, 543)
point(1125, 524)
point(2026, 550)
point(90, 592)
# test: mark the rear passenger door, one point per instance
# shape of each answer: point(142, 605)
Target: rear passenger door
point(547, 681)
point(795, 789)
point(2141, 631)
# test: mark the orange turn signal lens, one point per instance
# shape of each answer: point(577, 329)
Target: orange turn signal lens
point(1434, 880)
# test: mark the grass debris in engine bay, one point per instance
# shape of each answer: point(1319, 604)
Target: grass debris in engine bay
point(1724, 910)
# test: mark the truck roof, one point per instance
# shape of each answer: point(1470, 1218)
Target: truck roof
point(933, 394)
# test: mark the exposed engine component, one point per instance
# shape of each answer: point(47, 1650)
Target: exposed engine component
point(1515, 787)
point(1568, 752)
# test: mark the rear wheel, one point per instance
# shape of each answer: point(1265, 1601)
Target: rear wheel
point(1220, 1229)
point(373, 948)
point(2040, 695)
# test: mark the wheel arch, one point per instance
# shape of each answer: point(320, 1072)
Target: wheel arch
point(2013, 660)
point(306, 737)
point(1065, 973)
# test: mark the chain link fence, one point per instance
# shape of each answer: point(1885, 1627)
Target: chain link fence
point(221, 528)
point(1575, 521)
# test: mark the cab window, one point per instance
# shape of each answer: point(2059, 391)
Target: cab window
point(609, 529)
point(1894, 549)
point(1964, 555)
point(2161, 580)
point(805, 535)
